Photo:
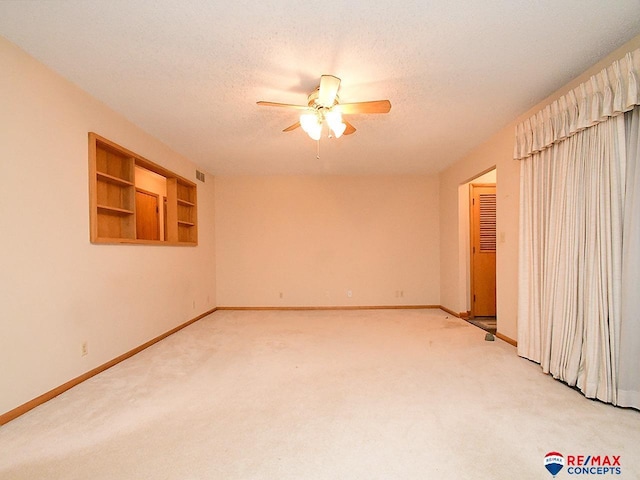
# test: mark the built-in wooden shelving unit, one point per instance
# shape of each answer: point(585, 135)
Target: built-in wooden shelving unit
point(112, 190)
point(181, 210)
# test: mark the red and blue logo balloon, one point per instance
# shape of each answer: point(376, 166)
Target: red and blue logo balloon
point(553, 462)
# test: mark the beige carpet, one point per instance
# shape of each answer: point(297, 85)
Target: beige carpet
point(318, 395)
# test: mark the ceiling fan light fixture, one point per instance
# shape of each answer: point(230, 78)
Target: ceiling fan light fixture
point(339, 130)
point(308, 121)
point(334, 119)
point(311, 124)
point(316, 132)
point(323, 106)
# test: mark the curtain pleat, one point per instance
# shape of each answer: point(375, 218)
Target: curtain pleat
point(614, 90)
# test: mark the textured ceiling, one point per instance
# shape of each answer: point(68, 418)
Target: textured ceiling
point(189, 72)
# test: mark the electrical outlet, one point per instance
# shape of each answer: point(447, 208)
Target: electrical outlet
point(84, 349)
point(349, 293)
point(194, 304)
point(281, 295)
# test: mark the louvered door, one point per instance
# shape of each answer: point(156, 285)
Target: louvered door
point(483, 250)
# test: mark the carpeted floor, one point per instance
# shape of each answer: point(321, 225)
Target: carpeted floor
point(383, 394)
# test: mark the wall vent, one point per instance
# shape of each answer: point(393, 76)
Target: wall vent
point(200, 175)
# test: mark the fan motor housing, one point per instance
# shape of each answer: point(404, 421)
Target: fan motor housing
point(313, 100)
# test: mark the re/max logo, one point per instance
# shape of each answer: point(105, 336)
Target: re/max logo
point(593, 460)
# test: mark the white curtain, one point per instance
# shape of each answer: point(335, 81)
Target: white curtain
point(628, 374)
point(578, 224)
point(615, 90)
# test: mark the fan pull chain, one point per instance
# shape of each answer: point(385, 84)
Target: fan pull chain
point(318, 150)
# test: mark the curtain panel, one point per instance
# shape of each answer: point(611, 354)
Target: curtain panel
point(571, 258)
point(629, 356)
point(614, 90)
point(579, 252)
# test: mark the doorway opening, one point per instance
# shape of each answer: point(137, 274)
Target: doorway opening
point(151, 188)
point(481, 251)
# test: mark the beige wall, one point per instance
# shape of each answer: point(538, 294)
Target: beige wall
point(57, 289)
point(498, 151)
point(315, 238)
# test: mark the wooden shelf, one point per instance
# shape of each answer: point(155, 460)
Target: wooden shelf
point(114, 210)
point(112, 191)
point(182, 211)
point(114, 180)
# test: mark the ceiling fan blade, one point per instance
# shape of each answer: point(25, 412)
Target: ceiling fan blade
point(350, 128)
point(328, 90)
point(285, 105)
point(376, 106)
point(292, 127)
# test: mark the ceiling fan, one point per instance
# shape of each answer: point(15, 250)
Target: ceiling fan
point(323, 106)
